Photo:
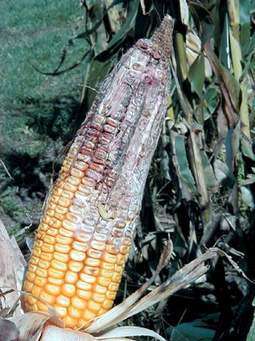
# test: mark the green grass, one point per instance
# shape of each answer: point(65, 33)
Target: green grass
point(36, 111)
point(35, 32)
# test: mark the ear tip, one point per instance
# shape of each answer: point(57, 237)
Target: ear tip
point(163, 36)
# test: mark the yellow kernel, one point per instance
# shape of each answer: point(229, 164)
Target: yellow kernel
point(70, 322)
point(83, 286)
point(103, 281)
point(91, 270)
point(37, 251)
point(45, 297)
point(65, 233)
point(112, 249)
point(107, 304)
point(78, 303)
point(99, 298)
point(32, 267)
point(102, 311)
point(59, 216)
point(94, 306)
point(71, 188)
point(55, 225)
point(100, 289)
point(68, 195)
point(118, 268)
point(87, 278)
point(121, 259)
point(43, 227)
point(107, 266)
point(105, 273)
point(84, 294)
point(77, 173)
point(109, 258)
point(52, 289)
point(113, 287)
point(36, 291)
point(92, 261)
point(61, 311)
point(82, 324)
point(31, 300)
point(68, 289)
point(98, 245)
point(34, 260)
point(55, 273)
point(77, 255)
point(94, 253)
point(28, 285)
point(58, 265)
point(116, 277)
point(62, 257)
point(63, 239)
point(30, 276)
point(75, 266)
point(63, 301)
point(82, 236)
point(52, 232)
point(74, 312)
point(62, 248)
point(55, 281)
point(41, 272)
point(47, 247)
point(73, 180)
point(69, 225)
point(71, 277)
point(43, 264)
point(40, 281)
point(46, 256)
point(88, 315)
point(60, 210)
point(111, 295)
point(42, 307)
point(80, 246)
point(64, 202)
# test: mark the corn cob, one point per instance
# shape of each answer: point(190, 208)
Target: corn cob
point(87, 227)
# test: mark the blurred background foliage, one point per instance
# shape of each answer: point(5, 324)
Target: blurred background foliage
point(200, 190)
